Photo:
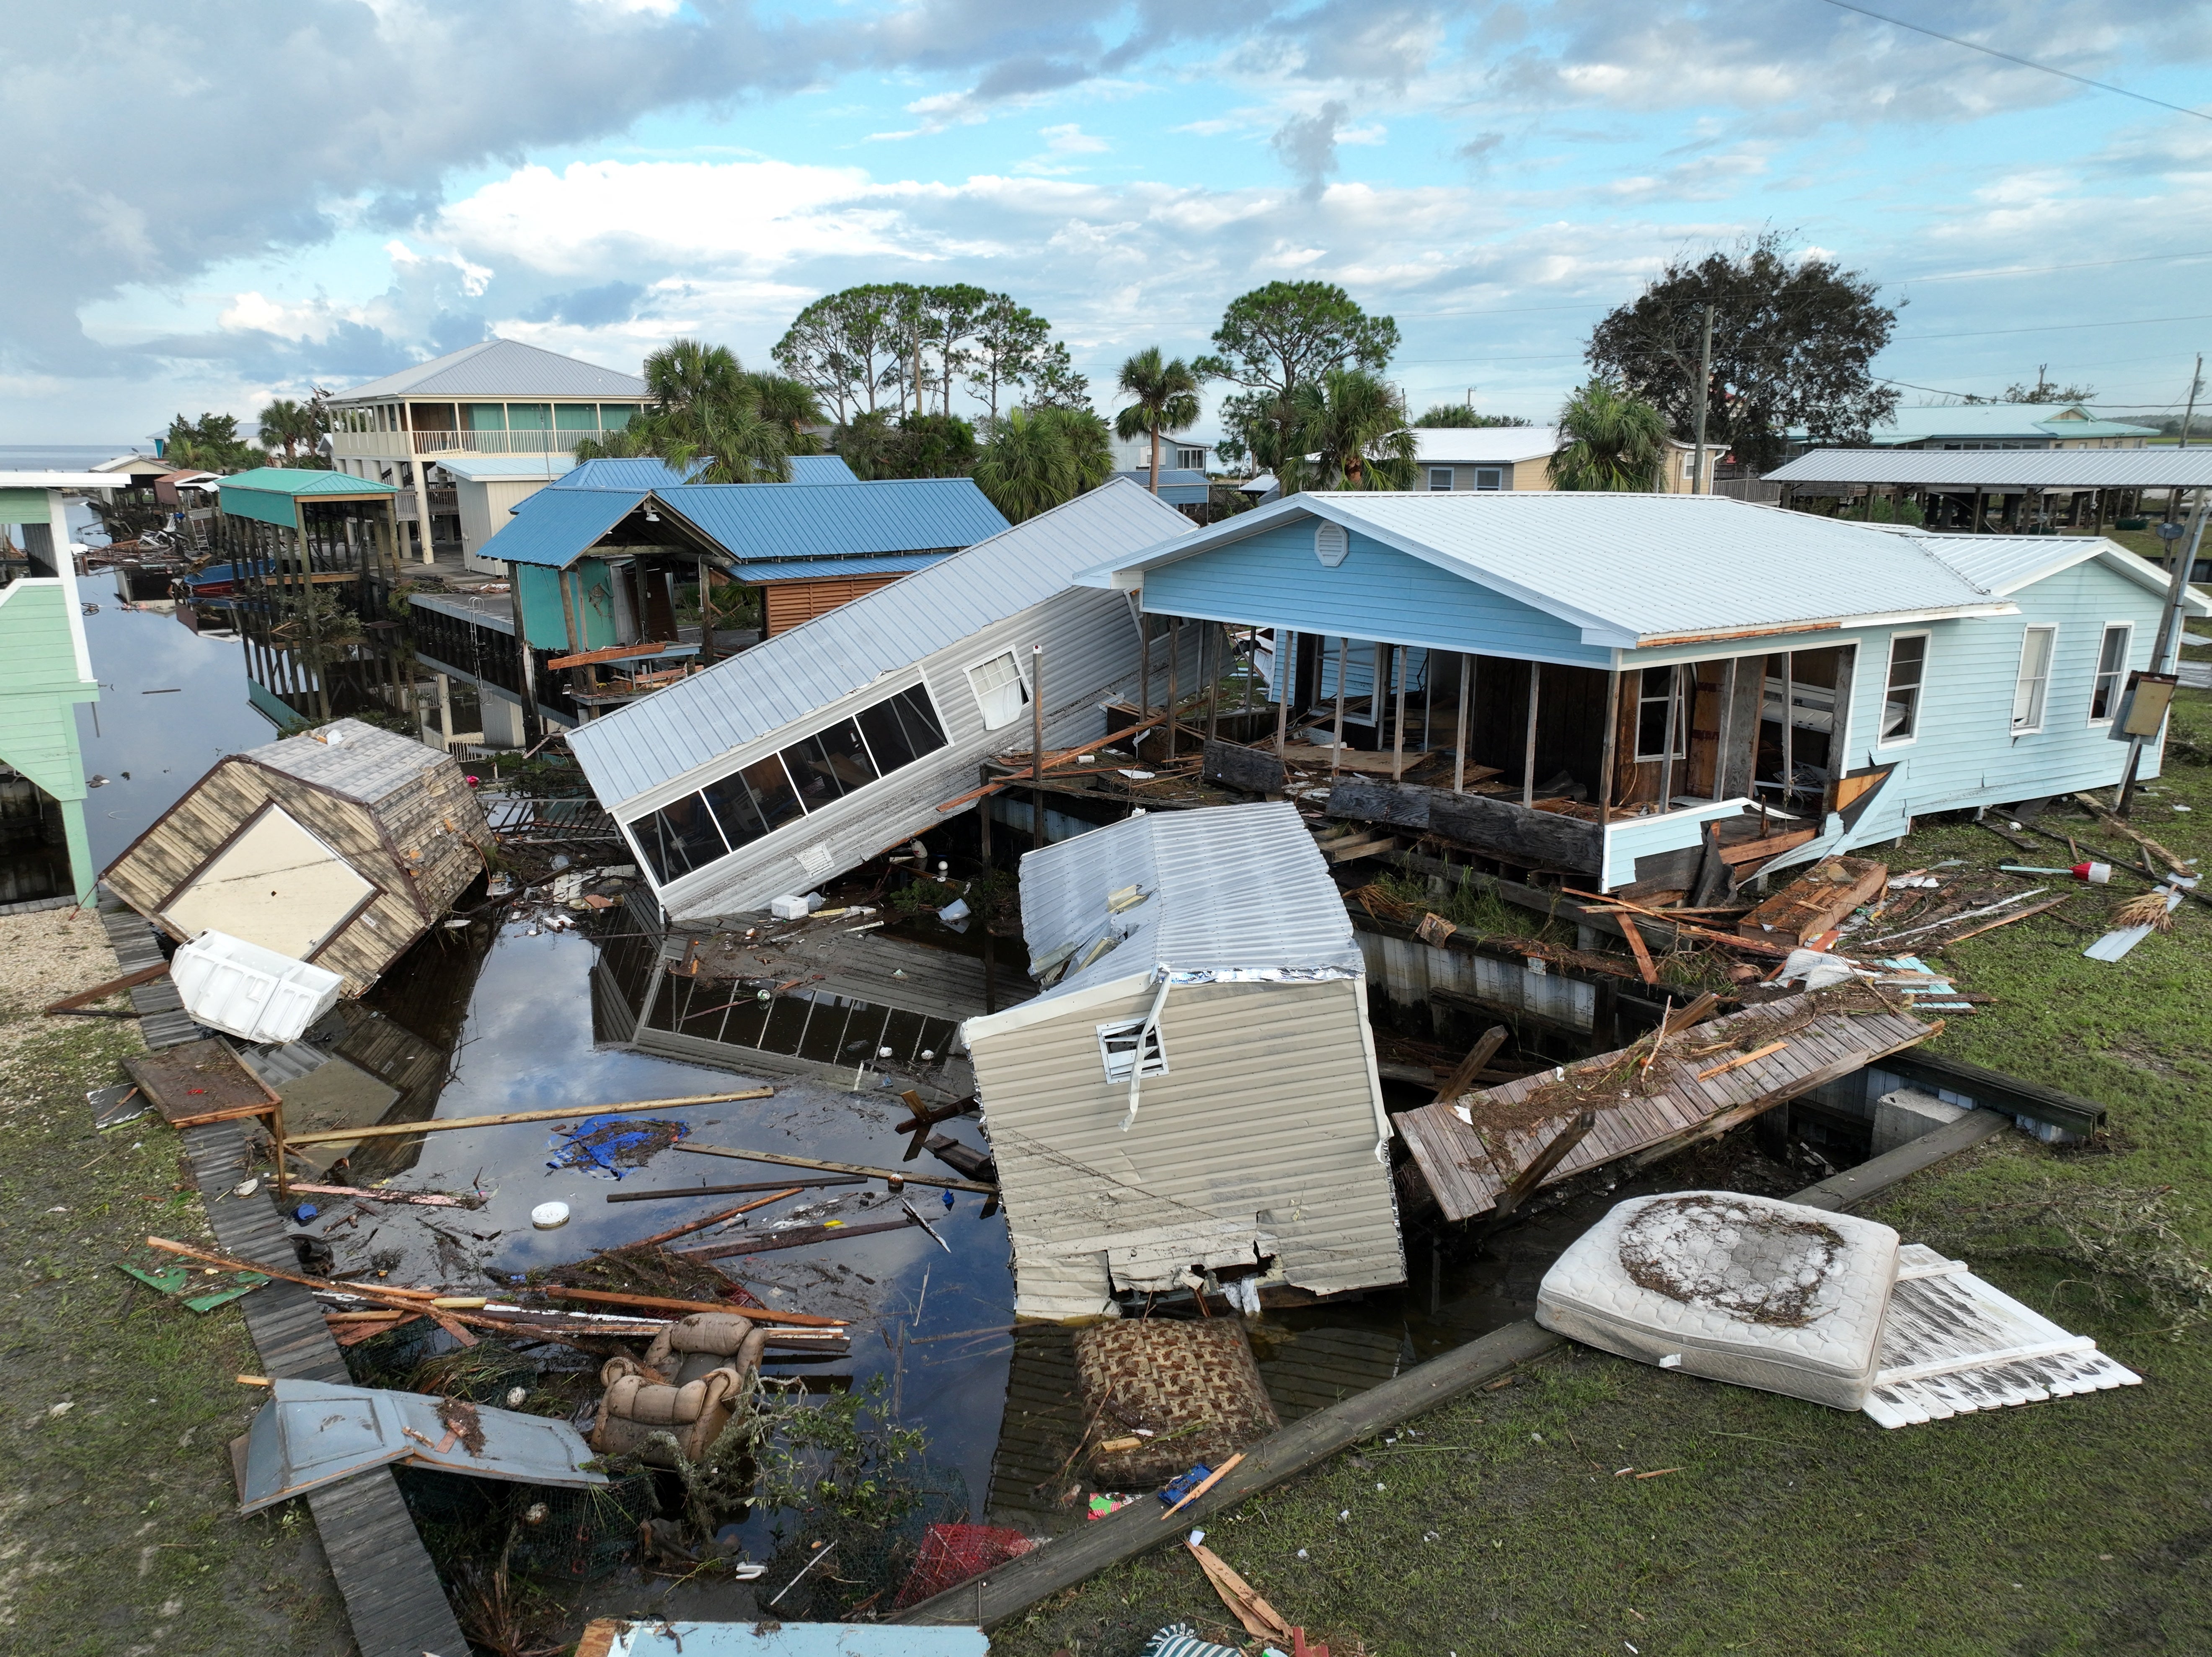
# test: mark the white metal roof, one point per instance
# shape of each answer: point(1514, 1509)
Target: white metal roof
point(1633, 570)
point(788, 677)
point(2026, 422)
point(1484, 445)
point(487, 468)
point(502, 367)
point(2002, 565)
point(2163, 467)
point(60, 481)
point(1230, 889)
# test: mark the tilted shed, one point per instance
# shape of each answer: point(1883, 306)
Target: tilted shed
point(1209, 950)
point(341, 846)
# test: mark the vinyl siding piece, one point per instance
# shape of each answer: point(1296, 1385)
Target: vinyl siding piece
point(1267, 1121)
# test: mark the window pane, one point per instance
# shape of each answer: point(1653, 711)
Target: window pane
point(827, 765)
point(2035, 674)
point(575, 417)
point(736, 810)
point(772, 794)
point(1906, 658)
point(887, 737)
point(529, 417)
point(1440, 478)
point(613, 417)
point(2114, 655)
point(999, 690)
point(923, 728)
point(486, 416)
point(2111, 668)
point(679, 837)
point(848, 755)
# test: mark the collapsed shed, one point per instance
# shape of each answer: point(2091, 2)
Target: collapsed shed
point(1195, 1091)
point(820, 747)
point(341, 848)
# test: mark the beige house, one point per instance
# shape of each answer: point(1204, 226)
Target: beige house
point(498, 399)
point(1483, 458)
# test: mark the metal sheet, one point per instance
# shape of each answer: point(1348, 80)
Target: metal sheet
point(500, 368)
point(2033, 469)
point(311, 1434)
point(769, 1638)
point(835, 521)
point(785, 679)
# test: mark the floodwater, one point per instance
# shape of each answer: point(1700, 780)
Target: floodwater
point(512, 1011)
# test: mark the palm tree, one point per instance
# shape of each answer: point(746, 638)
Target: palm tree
point(1351, 433)
point(1027, 467)
point(1616, 440)
point(1089, 445)
point(1167, 401)
point(791, 404)
point(290, 424)
point(706, 406)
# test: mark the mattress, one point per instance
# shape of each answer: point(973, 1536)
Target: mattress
point(1733, 1288)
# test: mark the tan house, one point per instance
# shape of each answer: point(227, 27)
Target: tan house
point(1519, 457)
point(500, 397)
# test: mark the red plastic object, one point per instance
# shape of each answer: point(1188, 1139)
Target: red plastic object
point(952, 1554)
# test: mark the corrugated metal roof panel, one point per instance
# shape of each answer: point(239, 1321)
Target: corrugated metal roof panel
point(822, 569)
point(632, 472)
point(827, 520)
point(782, 679)
point(482, 468)
point(1231, 887)
point(301, 480)
point(557, 526)
point(1629, 568)
point(1484, 445)
point(502, 367)
point(2034, 468)
point(822, 468)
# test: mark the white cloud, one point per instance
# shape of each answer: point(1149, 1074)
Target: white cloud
point(1073, 140)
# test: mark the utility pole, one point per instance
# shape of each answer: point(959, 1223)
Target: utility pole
point(2189, 415)
point(1698, 479)
point(2169, 633)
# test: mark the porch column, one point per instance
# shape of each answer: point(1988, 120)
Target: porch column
point(1215, 634)
point(1459, 732)
point(1528, 750)
point(706, 618)
point(1175, 648)
point(1667, 747)
point(1143, 663)
point(1608, 752)
point(533, 727)
point(1286, 676)
point(1336, 742)
point(445, 713)
point(1398, 714)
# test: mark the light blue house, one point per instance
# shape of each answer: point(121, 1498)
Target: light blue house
point(1604, 682)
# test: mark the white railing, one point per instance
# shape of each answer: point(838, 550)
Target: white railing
point(426, 442)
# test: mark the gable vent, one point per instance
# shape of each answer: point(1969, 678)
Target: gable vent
point(1331, 544)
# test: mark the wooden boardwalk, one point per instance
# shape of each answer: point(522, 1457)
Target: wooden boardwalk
point(1468, 1164)
point(392, 1593)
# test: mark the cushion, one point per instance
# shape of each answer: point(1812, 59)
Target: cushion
point(1183, 1391)
point(1734, 1288)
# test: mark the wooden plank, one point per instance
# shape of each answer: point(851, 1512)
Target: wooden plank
point(101, 992)
point(200, 1082)
point(895, 1177)
point(1814, 902)
point(566, 1112)
point(1532, 839)
point(682, 1307)
point(1251, 770)
point(1854, 1185)
point(1636, 947)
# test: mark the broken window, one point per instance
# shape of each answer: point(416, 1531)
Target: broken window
point(999, 691)
point(2030, 685)
point(829, 764)
point(679, 837)
point(2112, 672)
point(1900, 707)
point(1651, 699)
point(1119, 1044)
point(755, 801)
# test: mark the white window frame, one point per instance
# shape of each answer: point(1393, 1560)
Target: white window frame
point(1127, 1032)
point(1021, 680)
point(1919, 689)
point(1445, 472)
point(1495, 473)
point(2118, 675)
point(1682, 684)
point(2040, 706)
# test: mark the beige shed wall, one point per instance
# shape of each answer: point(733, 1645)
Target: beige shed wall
point(1268, 1115)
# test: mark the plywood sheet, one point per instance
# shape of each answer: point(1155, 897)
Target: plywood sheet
point(276, 885)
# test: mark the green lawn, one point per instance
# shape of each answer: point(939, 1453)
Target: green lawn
point(1500, 1524)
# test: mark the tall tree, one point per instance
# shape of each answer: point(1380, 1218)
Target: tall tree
point(792, 405)
point(1615, 441)
point(1053, 382)
point(1463, 416)
point(1166, 393)
point(1351, 433)
point(211, 443)
point(287, 424)
point(1793, 340)
point(1040, 457)
point(839, 346)
point(1008, 340)
point(703, 405)
point(915, 445)
point(1274, 337)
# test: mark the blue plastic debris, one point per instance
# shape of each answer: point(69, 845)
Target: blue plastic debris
point(305, 1213)
point(1184, 1484)
point(615, 1143)
point(948, 1199)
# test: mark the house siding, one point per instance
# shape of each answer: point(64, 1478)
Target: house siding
point(1278, 1071)
point(1273, 579)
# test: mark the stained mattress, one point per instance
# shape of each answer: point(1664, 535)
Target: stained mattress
point(1733, 1288)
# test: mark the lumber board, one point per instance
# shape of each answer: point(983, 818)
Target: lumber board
point(1250, 770)
point(1816, 902)
point(1879, 1173)
point(1992, 1089)
point(1504, 828)
point(566, 1112)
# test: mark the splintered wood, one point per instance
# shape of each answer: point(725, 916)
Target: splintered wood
point(1704, 1081)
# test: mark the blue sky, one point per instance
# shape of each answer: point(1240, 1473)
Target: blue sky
point(315, 191)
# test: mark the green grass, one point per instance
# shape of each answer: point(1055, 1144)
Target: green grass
point(2075, 1525)
point(121, 1531)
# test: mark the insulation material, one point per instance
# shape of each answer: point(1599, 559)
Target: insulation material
point(1734, 1288)
point(254, 993)
point(1187, 1393)
point(1953, 1344)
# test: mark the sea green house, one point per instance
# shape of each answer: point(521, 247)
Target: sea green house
point(46, 670)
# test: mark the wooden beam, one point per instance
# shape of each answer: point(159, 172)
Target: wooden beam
point(1528, 750)
point(1637, 948)
point(662, 1303)
point(566, 1112)
point(1544, 1161)
point(1459, 732)
point(897, 1175)
point(1470, 1070)
point(1608, 753)
point(112, 986)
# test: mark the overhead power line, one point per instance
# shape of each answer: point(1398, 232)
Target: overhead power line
point(2025, 63)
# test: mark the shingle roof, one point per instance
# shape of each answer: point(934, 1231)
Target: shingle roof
point(2161, 467)
point(1233, 889)
point(1633, 569)
point(348, 757)
point(503, 368)
point(788, 677)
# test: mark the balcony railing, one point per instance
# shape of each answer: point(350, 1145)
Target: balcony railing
point(431, 442)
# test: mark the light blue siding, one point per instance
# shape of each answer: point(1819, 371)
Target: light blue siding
point(1377, 592)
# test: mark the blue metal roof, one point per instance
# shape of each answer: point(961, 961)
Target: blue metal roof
point(819, 569)
point(850, 520)
point(557, 526)
point(821, 469)
point(1178, 487)
point(645, 472)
